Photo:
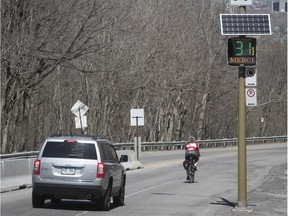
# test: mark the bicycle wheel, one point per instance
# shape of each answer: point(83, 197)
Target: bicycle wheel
point(191, 173)
point(191, 177)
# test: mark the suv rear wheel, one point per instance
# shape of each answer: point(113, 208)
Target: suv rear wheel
point(119, 200)
point(37, 200)
point(106, 200)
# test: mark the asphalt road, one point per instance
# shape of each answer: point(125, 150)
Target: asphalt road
point(161, 189)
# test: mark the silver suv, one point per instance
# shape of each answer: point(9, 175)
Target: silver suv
point(78, 167)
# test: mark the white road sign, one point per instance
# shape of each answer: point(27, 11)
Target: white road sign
point(79, 108)
point(251, 97)
point(241, 2)
point(250, 77)
point(137, 115)
point(81, 122)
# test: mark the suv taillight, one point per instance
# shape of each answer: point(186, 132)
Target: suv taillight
point(36, 169)
point(100, 170)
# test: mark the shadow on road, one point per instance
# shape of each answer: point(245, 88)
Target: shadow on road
point(75, 205)
point(224, 201)
point(190, 182)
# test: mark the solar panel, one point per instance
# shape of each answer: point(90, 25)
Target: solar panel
point(245, 24)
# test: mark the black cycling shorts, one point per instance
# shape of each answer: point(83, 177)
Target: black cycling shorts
point(191, 155)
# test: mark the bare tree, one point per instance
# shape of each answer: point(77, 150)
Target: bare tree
point(38, 37)
point(165, 56)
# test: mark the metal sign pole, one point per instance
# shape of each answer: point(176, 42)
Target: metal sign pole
point(242, 170)
point(137, 142)
point(138, 115)
point(242, 53)
point(242, 179)
point(81, 121)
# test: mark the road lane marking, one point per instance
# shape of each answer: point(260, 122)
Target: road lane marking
point(82, 213)
point(149, 188)
point(163, 163)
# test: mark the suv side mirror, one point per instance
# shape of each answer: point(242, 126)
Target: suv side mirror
point(124, 158)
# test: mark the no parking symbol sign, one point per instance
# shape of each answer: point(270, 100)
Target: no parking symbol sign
point(251, 97)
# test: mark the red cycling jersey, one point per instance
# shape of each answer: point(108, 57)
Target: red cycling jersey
point(193, 147)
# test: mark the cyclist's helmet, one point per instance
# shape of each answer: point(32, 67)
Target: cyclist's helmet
point(191, 138)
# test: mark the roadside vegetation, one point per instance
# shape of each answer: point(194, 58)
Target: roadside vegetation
point(165, 56)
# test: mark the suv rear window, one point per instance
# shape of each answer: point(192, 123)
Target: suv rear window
point(70, 150)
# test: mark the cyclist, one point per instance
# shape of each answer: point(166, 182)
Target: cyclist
point(192, 149)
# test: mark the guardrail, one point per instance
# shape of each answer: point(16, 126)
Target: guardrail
point(148, 146)
point(157, 146)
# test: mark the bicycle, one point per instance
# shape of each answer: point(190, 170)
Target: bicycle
point(190, 169)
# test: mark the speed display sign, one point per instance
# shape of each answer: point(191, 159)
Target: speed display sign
point(242, 51)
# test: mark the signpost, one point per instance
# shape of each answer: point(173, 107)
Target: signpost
point(79, 109)
point(242, 53)
point(137, 119)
